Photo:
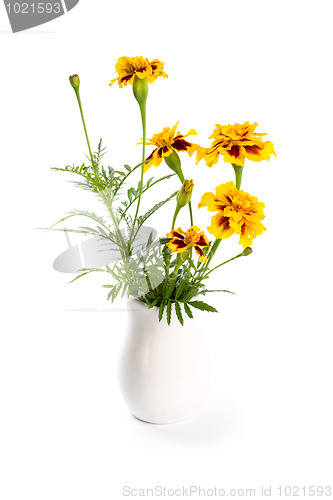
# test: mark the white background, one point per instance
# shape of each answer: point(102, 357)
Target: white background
point(64, 429)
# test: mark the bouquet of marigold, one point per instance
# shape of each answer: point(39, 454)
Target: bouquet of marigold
point(168, 272)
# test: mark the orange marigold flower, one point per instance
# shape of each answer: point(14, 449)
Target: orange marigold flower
point(235, 143)
point(238, 213)
point(130, 67)
point(167, 142)
point(192, 238)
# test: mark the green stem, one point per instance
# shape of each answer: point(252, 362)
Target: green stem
point(175, 217)
point(122, 244)
point(106, 202)
point(173, 279)
point(77, 92)
point(180, 175)
point(233, 258)
point(238, 173)
point(191, 214)
point(142, 106)
point(147, 277)
point(166, 278)
point(212, 251)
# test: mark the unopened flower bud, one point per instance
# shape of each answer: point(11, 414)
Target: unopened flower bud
point(75, 81)
point(247, 251)
point(183, 256)
point(140, 89)
point(173, 162)
point(185, 193)
point(167, 254)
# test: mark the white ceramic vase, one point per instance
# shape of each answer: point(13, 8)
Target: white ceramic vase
point(164, 370)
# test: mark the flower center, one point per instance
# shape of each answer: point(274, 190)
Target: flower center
point(191, 239)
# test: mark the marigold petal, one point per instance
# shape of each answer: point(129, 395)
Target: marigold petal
point(210, 201)
point(180, 144)
point(203, 240)
point(176, 233)
point(177, 245)
point(154, 159)
point(259, 152)
point(231, 213)
point(220, 227)
point(191, 132)
point(234, 155)
point(211, 156)
point(173, 130)
point(201, 253)
point(194, 148)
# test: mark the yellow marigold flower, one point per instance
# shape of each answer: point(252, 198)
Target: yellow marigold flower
point(235, 143)
point(238, 213)
point(184, 241)
point(130, 67)
point(167, 142)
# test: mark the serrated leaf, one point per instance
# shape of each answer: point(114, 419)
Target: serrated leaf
point(188, 310)
point(160, 312)
point(169, 312)
point(179, 313)
point(210, 291)
point(144, 217)
point(192, 292)
point(109, 270)
point(198, 304)
point(153, 303)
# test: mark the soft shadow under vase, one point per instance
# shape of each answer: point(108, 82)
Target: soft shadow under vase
point(164, 370)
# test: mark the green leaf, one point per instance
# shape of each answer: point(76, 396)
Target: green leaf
point(191, 263)
point(192, 292)
point(210, 291)
point(198, 304)
point(86, 271)
point(160, 312)
point(163, 241)
point(133, 194)
point(179, 313)
point(109, 270)
point(169, 312)
point(181, 287)
point(125, 286)
point(150, 212)
point(188, 310)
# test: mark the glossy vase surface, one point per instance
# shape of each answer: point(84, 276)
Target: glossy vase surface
point(164, 370)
